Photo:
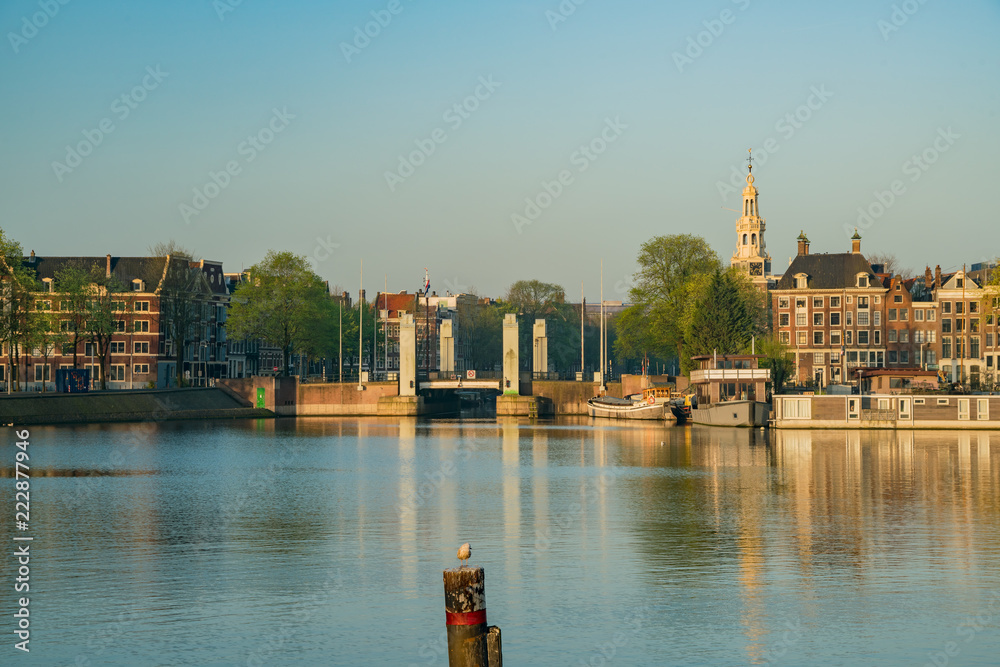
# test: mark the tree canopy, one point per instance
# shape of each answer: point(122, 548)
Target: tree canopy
point(282, 302)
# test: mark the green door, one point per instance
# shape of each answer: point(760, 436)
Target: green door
point(260, 397)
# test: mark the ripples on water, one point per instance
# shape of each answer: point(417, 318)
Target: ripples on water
point(317, 541)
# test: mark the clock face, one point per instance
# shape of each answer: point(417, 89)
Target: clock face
point(756, 268)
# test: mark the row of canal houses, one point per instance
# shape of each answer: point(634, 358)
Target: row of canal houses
point(845, 317)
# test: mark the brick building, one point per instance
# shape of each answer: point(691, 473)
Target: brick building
point(141, 352)
point(830, 309)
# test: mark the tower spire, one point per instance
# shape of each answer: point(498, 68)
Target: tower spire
point(750, 248)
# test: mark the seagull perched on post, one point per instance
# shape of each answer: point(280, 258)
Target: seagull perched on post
point(464, 553)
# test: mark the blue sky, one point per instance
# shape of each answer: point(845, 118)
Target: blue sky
point(309, 129)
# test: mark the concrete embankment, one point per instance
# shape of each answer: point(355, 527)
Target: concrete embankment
point(126, 406)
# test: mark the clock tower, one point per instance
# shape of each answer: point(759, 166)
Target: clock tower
point(751, 254)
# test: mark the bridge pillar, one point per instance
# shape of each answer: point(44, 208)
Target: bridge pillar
point(447, 347)
point(511, 377)
point(407, 355)
point(540, 363)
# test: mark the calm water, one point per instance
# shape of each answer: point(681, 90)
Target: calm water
point(322, 542)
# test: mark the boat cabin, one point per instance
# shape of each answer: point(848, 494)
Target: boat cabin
point(730, 377)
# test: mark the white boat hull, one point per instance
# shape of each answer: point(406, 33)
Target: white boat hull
point(645, 411)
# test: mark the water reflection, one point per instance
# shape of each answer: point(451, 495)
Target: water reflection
point(746, 546)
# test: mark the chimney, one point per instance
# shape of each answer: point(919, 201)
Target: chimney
point(937, 277)
point(928, 277)
point(803, 244)
point(31, 260)
point(108, 267)
point(856, 242)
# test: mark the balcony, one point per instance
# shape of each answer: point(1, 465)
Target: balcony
point(730, 375)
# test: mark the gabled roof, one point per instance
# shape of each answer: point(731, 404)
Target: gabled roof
point(828, 271)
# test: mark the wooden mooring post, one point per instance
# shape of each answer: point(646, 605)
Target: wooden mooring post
point(471, 643)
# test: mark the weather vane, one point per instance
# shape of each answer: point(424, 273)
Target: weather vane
point(750, 158)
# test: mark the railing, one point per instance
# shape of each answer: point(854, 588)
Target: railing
point(730, 374)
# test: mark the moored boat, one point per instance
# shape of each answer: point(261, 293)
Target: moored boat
point(652, 404)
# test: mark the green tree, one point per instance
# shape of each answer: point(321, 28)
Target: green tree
point(480, 328)
point(779, 358)
point(104, 312)
point(666, 286)
point(182, 292)
point(722, 320)
point(279, 303)
point(17, 283)
point(72, 282)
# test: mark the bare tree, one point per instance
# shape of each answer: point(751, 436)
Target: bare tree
point(890, 264)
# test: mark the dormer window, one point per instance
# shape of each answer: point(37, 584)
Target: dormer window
point(137, 285)
point(959, 283)
point(862, 280)
point(801, 281)
point(48, 284)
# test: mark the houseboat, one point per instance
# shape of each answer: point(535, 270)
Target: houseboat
point(887, 410)
point(730, 390)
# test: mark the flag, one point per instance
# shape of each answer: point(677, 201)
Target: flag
point(427, 282)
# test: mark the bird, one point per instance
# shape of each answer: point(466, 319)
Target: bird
point(464, 553)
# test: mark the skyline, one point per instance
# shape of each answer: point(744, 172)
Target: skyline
point(419, 145)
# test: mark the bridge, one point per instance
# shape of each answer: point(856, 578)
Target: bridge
point(468, 380)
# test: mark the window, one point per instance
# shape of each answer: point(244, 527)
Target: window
point(877, 318)
point(904, 357)
point(849, 338)
point(819, 358)
point(931, 357)
point(973, 306)
point(946, 325)
point(963, 409)
point(42, 373)
point(117, 373)
point(43, 305)
point(892, 336)
point(931, 315)
point(141, 306)
point(784, 337)
point(946, 307)
point(89, 350)
point(931, 336)
point(904, 315)
point(918, 315)
point(982, 409)
point(817, 302)
point(878, 299)
point(989, 340)
point(959, 324)
point(959, 348)
point(796, 408)
point(878, 336)
point(817, 338)
point(835, 357)
point(140, 347)
point(65, 325)
point(801, 281)
point(800, 319)
point(898, 298)
point(904, 336)
point(783, 319)
point(892, 356)
point(959, 283)
point(800, 303)
point(945, 347)
point(863, 337)
point(120, 326)
point(850, 318)
point(959, 307)
point(862, 318)
point(835, 302)
point(974, 325)
point(834, 338)
point(118, 347)
point(802, 338)
point(892, 314)
point(782, 302)
point(141, 326)
point(817, 319)
point(943, 401)
point(850, 299)
point(974, 347)
point(834, 319)
point(140, 369)
point(862, 281)
point(918, 401)
point(862, 302)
